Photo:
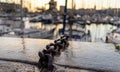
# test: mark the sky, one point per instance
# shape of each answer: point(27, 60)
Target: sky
point(100, 4)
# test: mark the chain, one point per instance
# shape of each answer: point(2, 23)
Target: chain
point(47, 55)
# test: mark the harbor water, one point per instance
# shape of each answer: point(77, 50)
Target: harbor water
point(98, 32)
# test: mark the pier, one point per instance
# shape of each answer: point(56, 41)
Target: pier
point(79, 55)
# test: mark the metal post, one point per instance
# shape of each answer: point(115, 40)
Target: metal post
point(64, 20)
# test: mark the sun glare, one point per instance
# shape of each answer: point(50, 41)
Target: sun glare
point(42, 2)
point(100, 4)
point(83, 3)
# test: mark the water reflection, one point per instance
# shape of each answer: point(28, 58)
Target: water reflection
point(98, 32)
point(42, 26)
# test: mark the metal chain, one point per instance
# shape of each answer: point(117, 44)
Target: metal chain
point(47, 55)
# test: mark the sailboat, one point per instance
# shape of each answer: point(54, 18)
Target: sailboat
point(114, 37)
point(74, 31)
point(24, 32)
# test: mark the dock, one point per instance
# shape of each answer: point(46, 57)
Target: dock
point(95, 56)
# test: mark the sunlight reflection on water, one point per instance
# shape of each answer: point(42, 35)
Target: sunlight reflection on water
point(98, 31)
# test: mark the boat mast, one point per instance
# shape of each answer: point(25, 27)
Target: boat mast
point(22, 24)
point(72, 4)
point(21, 16)
point(21, 10)
point(117, 10)
point(64, 20)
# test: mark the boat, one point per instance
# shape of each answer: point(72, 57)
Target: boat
point(114, 37)
point(30, 33)
point(47, 18)
point(36, 18)
point(77, 34)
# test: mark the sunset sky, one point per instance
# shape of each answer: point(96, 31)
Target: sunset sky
point(79, 3)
